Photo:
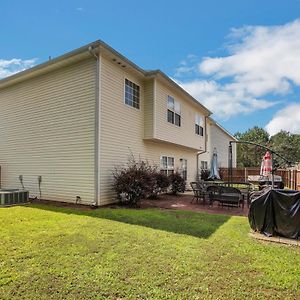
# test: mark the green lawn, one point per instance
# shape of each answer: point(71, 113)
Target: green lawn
point(60, 253)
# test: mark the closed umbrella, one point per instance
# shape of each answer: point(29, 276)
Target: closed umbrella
point(266, 168)
point(214, 171)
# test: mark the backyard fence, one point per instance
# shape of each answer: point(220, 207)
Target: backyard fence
point(291, 178)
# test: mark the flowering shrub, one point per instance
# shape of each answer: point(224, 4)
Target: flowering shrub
point(134, 182)
point(177, 183)
point(161, 183)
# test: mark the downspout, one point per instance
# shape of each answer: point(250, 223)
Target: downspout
point(97, 130)
point(205, 147)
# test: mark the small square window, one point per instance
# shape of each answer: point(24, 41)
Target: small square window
point(201, 131)
point(170, 116)
point(204, 165)
point(177, 120)
point(171, 162)
point(177, 108)
point(171, 104)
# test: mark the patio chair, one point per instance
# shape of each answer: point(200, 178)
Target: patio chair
point(199, 192)
point(231, 197)
point(245, 187)
point(213, 192)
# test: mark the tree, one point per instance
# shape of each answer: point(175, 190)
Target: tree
point(284, 143)
point(250, 155)
point(287, 145)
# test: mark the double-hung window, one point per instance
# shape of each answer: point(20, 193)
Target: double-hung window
point(203, 165)
point(132, 94)
point(167, 165)
point(174, 111)
point(183, 168)
point(198, 125)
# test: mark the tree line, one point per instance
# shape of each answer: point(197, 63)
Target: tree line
point(284, 143)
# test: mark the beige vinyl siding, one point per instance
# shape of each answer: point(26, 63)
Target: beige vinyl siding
point(122, 126)
point(220, 140)
point(149, 109)
point(122, 130)
point(207, 155)
point(165, 131)
point(155, 150)
point(47, 128)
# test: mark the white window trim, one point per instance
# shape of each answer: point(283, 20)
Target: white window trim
point(204, 162)
point(200, 126)
point(174, 111)
point(124, 93)
point(167, 169)
point(181, 168)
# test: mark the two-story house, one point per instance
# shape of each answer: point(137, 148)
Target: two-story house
point(75, 118)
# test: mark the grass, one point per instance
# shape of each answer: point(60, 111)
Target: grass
point(63, 253)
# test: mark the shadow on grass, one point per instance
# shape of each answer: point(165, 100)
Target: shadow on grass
point(201, 225)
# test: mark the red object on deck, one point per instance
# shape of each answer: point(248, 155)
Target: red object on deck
point(267, 164)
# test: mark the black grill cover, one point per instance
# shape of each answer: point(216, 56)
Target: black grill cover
point(276, 212)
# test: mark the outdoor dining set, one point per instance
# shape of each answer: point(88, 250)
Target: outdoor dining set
point(234, 194)
point(226, 194)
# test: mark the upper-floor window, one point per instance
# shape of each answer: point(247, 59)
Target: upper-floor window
point(174, 111)
point(167, 165)
point(132, 94)
point(198, 125)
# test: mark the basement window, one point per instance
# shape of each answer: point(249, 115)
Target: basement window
point(132, 94)
point(198, 125)
point(174, 111)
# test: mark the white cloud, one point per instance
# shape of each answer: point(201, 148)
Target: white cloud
point(261, 61)
point(286, 119)
point(15, 65)
point(187, 66)
point(222, 100)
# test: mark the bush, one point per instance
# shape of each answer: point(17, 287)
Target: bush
point(134, 182)
point(205, 174)
point(177, 183)
point(162, 182)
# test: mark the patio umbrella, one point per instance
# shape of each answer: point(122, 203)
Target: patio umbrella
point(266, 168)
point(214, 172)
point(266, 165)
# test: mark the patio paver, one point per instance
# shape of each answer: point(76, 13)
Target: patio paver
point(183, 202)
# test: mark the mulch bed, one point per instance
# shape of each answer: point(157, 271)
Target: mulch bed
point(165, 201)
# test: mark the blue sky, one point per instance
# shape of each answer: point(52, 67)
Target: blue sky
point(239, 58)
